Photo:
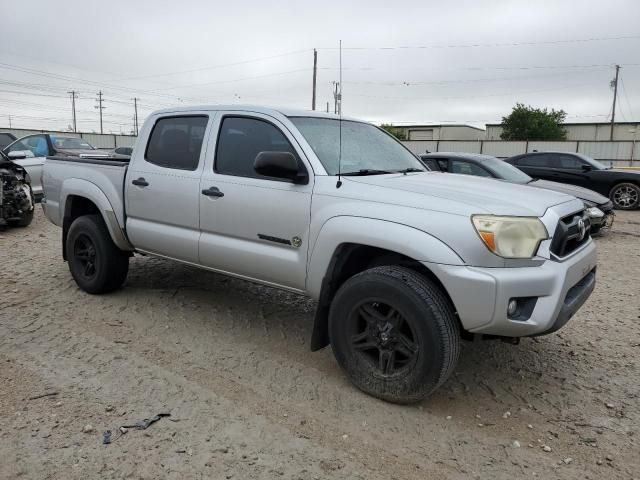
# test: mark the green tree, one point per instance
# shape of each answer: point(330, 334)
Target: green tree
point(528, 123)
point(399, 133)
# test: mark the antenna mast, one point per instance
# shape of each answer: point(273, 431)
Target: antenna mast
point(339, 183)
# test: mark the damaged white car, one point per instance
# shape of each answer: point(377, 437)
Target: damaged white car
point(16, 197)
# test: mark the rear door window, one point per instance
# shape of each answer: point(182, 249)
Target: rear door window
point(176, 142)
point(568, 162)
point(534, 161)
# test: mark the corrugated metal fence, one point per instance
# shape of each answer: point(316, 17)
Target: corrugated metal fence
point(623, 153)
point(98, 140)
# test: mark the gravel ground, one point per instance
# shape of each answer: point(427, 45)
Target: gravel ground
point(229, 360)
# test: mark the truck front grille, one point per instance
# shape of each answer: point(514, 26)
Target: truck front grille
point(571, 233)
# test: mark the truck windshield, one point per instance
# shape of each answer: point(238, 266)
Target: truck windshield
point(366, 149)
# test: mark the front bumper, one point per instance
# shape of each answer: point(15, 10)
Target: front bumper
point(601, 221)
point(555, 290)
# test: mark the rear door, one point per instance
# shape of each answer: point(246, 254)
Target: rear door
point(162, 187)
point(254, 226)
point(569, 169)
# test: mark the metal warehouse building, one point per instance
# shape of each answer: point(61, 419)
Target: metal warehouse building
point(622, 131)
point(443, 132)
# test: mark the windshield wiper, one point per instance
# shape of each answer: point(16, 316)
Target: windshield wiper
point(409, 170)
point(365, 171)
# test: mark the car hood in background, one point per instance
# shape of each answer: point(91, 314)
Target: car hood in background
point(477, 193)
point(578, 192)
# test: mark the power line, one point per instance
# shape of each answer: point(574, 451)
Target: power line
point(440, 97)
point(624, 91)
point(234, 80)
point(411, 83)
point(214, 67)
point(491, 45)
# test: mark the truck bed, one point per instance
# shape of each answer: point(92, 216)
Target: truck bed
point(104, 176)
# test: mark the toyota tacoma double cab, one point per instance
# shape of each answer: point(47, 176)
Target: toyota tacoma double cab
point(403, 263)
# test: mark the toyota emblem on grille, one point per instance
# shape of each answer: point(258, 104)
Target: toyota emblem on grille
point(582, 229)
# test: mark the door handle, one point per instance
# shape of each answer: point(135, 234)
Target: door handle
point(213, 192)
point(140, 182)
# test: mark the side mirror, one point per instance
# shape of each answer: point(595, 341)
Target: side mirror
point(586, 168)
point(280, 165)
point(17, 155)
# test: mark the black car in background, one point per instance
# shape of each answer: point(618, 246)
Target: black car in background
point(599, 208)
point(621, 186)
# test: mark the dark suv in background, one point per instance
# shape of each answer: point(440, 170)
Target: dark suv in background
point(621, 186)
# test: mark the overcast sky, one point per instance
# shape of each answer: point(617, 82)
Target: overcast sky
point(403, 62)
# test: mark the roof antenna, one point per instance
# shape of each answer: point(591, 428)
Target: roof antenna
point(339, 182)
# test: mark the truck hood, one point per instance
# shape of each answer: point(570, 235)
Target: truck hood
point(578, 192)
point(479, 195)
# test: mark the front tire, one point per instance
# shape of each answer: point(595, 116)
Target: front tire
point(625, 196)
point(395, 334)
point(95, 263)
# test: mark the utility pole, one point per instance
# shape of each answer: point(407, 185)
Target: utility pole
point(315, 75)
point(614, 83)
point(74, 95)
point(100, 107)
point(135, 115)
point(335, 97)
point(327, 107)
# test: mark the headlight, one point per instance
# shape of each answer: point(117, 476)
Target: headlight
point(595, 212)
point(510, 237)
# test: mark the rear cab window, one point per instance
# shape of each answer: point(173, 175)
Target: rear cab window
point(176, 142)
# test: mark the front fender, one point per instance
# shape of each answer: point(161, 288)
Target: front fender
point(396, 237)
point(90, 191)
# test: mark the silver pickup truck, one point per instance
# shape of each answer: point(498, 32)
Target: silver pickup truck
point(403, 262)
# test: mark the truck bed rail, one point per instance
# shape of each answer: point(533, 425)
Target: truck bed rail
point(116, 160)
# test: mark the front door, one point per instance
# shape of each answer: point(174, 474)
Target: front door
point(254, 226)
point(162, 188)
point(569, 169)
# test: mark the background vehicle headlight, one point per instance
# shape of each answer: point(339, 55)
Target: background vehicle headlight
point(594, 212)
point(510, 237)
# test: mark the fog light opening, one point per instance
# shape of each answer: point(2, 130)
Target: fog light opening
point(512, 308)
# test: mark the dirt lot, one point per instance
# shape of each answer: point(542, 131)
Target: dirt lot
point(229, 360)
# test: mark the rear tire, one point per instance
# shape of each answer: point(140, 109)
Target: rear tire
point(395, 334)
point(95, 263)
point(625, 196)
